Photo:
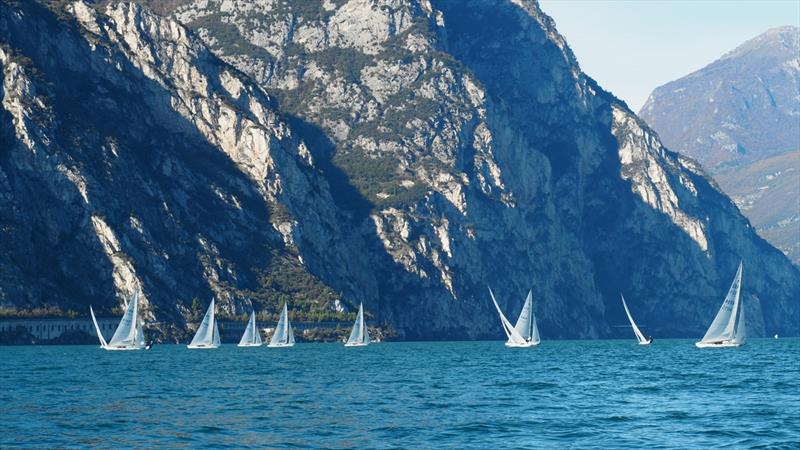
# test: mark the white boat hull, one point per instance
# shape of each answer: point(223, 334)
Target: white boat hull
point(724, 344)
point(356, 344)
point(524, 345)
point(249, 345)
point(280, 345)
point(647, 342)
point(125, 348)
point(202, 347)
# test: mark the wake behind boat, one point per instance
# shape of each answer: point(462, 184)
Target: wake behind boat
point(207, 335)
point(524, 333)
point(283, 335)
point(359, 337)
point(639, 336)
point(728, 327)
point(129, 334)
point(251, 336)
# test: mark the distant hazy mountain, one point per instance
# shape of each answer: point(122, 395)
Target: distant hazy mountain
point(740, 117)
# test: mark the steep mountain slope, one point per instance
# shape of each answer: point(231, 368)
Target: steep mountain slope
point(533, 170)
point(133, 159)
point(740, 117)
point(767, 191)
point(414, 159)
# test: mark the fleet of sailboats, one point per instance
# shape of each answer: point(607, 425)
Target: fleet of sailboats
point(728, 327)
point(638, 333)
point(524, 333)
point(726, 330)
point(207, 335)
point(283, 335)
point(129, 334)
point(359, 336)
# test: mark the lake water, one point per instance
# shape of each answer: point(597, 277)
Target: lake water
point(417, 394)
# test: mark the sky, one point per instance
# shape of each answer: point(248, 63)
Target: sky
point(633, 46)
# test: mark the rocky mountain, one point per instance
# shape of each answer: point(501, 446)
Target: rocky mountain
point(406, 154)
point(767, 192)
point(740, 117)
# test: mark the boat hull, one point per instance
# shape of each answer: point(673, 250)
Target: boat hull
point(122, 349)
point(724, 344)
point(202, 347)
point(249, 345)
point(356, 344)
point(525, 345)
point(647, 342)
point(279, 345)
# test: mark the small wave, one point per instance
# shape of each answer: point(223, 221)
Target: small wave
point(211, 429)
point(617, 418)
point(484, 427)
point(647, 388)
point(677, 415)
point(529, 385)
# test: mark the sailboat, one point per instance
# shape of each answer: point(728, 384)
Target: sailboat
point(129, 334)
point(727, 329)
point(639, 336)
point(251, 336)
point(283, 335)
point(524, 333)
point(207, 335)
point(359, 337)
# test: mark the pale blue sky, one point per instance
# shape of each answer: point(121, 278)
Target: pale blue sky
point(633, 46)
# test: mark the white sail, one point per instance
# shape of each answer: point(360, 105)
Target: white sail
point(251, 336)
point(728, 328)
point(526, 323)
point(128, 331)
point(103, 342)
point(639, 336)
point(514, 338)
point(140, 334)
point(283, 335)
point(359, 336)
point(739, 336)
point(207, 335)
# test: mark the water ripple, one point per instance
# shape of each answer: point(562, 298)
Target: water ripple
point(609, 394)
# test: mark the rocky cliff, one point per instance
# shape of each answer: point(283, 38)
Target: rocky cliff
point(407, 154)
point(740, 117)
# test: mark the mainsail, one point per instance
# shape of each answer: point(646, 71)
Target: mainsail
point(129, 331)
point(251, 336)
point(360, 335)
point(207, 335)
point(728, 326)
point(526, 323)
point(639, 335)
point(283, 336)
point(514, 337)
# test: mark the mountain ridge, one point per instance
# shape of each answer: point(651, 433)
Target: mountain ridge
point(736, 114)
point(473, 157)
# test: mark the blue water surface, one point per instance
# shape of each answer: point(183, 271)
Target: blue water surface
point(611, 394)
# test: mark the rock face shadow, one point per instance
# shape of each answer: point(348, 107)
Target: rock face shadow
point(176, 206)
